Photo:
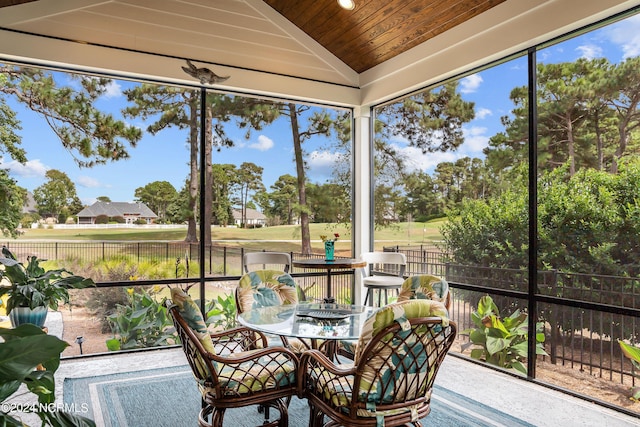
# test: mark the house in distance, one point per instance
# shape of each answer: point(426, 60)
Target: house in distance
point(131, 212)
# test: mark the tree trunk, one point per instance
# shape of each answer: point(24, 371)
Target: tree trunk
point(192, 231)
point(571, 146)
point(208, 177)
point(302, 180)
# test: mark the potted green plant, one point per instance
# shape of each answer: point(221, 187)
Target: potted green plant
point(29, 291)
point(34, 368)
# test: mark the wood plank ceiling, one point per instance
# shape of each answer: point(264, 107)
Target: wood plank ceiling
point(377, 30)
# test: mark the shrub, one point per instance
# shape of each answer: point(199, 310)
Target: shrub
point(103, 302)
point(102, 219)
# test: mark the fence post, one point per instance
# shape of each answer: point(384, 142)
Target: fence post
point(553, 318)
point(210, 258)
point(224, 260)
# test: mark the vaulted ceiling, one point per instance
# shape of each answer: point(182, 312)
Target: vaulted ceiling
point(309, 49)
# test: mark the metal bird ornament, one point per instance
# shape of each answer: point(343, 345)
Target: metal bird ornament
point(205, 75)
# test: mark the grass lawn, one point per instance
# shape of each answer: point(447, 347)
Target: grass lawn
point(285, 237)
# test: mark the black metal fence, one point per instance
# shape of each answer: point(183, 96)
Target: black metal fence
point(575, 336)
point(218, 261)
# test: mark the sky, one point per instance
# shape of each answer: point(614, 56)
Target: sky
point(165, 157)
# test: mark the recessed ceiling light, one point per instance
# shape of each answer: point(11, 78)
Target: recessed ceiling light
point(347, 4)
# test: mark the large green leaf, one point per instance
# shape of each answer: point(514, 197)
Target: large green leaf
point(66, 419)
point(43, 385)
point(7, 420)
point(496, 345)
point(21, 331)
point(631, 351)
point(519, 366)
point(19, 357)
point(7, 388)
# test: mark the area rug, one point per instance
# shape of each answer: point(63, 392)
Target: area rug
point(169, 397)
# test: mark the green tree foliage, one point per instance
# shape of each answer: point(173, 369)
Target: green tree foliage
point(320, 123)
point(157, 196)
point(588, 222)
point(328, 203)
point(491, 232)
point(57, 195)
point(172, 107)
point(420, 198)
point(587, 117)
point(280, 204)
point(248, 181)
point(430, 121)
point(179, 210)
point(90, 135)
point(224, 177)
point(9, 124)
point(12, 199)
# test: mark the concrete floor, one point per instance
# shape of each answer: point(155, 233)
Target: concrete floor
point(530, 402)
point(535, 404)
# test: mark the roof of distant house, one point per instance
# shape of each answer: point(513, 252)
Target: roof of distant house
point(30, 205)
point(251, 214)
point(113, 209)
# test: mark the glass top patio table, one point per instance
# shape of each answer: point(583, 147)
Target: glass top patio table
point(309, 320)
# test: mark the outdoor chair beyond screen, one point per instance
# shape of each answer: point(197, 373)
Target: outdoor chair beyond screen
point(229, 370)
point(376, 275)
point(265, 259)
point(390, 381)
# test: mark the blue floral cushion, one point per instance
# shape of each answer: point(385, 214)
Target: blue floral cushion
point(266, 288)
point(424, 287)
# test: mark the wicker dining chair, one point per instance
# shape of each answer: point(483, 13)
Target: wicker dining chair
point(423, 286)
point(265, 288)
point(391, 379)
point(426, 286)
point(233, 368)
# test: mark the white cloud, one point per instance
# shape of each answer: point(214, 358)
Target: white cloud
point(322, 163)
point(114, 90)
point(88, 182)
point(88, 201)
point(483, 112)
point(470, 83)
point(264, 143)
point(589, 51)
point(31, 169)
point(426, 162)
point(626, 34)
point(475, 140)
